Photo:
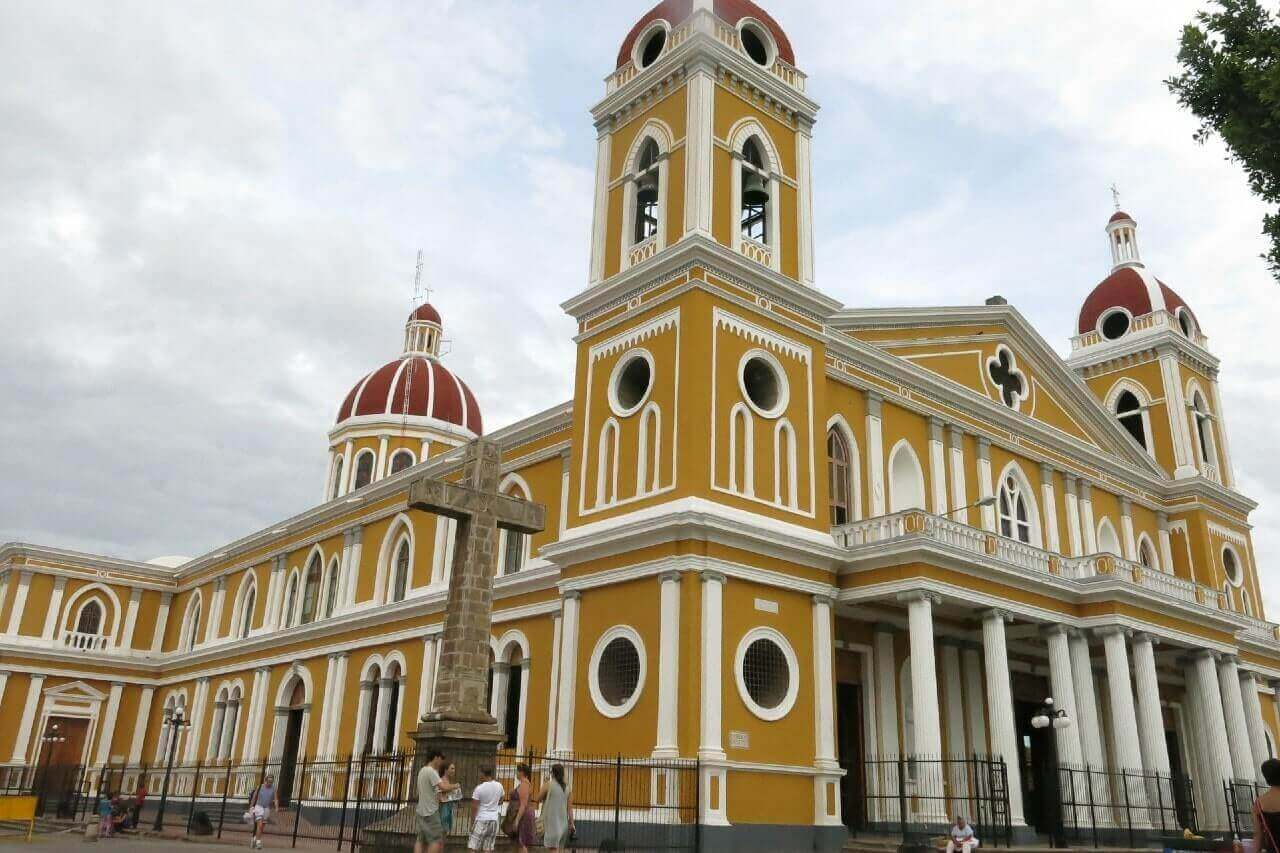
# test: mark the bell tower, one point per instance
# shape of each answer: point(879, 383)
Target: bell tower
point(704, 134)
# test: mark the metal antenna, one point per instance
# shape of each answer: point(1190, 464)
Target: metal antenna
point(408, 380)
point(1115, 196)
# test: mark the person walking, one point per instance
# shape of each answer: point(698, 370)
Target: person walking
point(264, 801)
point(524, 834)
point(104, 816)
point(488, 796)
point(430, 831)
point(1266, 811)
point(557, 811)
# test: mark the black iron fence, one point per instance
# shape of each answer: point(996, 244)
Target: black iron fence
point(915, 798)
point(1240, 795)
point(1106, 808)
point(364, 802)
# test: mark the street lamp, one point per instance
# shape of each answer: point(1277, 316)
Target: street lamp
point(175, 723)
point(1049, 716)
point(989, 500)
point(52, 735)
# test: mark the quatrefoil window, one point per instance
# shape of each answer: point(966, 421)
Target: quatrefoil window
point(1004, 373)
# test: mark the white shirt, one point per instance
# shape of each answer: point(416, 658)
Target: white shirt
point(961, 834)
point(487, 795)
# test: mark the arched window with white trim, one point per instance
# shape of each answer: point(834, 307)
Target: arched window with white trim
point(648, 452)
point(369, 689)
point(311, 589)
point(290, 600)
point(754, 191)
point(89, 622)
point(646, 193)
point(1108, 541)
point(400, 569)
point(191, 624)
point(401, 460)
point(785, 491)
point(906, 479)
point(1129, 412)
point(755, 194)
point(246, 601)
point(364, 470)
point(839, 478)
point(1147, 554)
point(392, 677)
point(513, 545)
point(331, 588)
point(335, 488)
point(1202, 420)
point(1013, 510)
point(607, 464)
point(742, 452)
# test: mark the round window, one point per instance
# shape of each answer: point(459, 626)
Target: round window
point(632, 379)
point(756, 44)
point(1184, 322)
point(763, 383)
point(767, 674)
point(1231, 564)
point(1115, 325)
point(653, 46)
point(617, 671)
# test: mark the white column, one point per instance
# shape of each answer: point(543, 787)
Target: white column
point(710, 745)
point(362, 719)
point(975, 702)
point(569, 610)
point(328, 478)
point(937, 467)
point(804, 200)
point(331, 725)
point(666, 745)
point(1166, 545)
point(1124, 721)
point(1176, 404)
point(875, 454)
point(498, 696)
point(162, 619)
point(1071, 507)
point(824, 684)
point(130, 619)
point(924, 675)
point(1000, 707)
point(426, 685)
point(347, 478)
point(985, 487)
point(107, 725)
point(279, 724)
point(140, 725)
point(326, 703)
point(1128, 543)
point(1050, 505)
point(380, 466)
point(28, 722)
point(1155, 750)
point(959, 495)
point(257, 714)
point(1087, 722)
point(1213, 732)
point(19, 603)
point(215, 728)
point(553, 697)
point(1057, 638)
point(600, 215)
point(275, 593)
point(1224, 447)
point(215, 610)
point(886, 691)
point(699, 150)
point(353, 568)
point(200, 698)
point(1253, 720)
point(1087, 526)
point(1233, 712)
point(54, 610)
point(953, 712)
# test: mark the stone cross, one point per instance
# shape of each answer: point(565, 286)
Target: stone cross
point(480, 511)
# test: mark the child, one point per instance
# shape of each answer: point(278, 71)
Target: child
point(105, 828)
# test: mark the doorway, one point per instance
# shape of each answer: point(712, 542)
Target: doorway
point(289, 757)
point(60, 751)
point(851, 753)
point(1183, 806)
point(1038, 763)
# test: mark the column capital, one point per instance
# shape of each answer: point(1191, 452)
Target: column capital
point(935, 428)
point(1046, 471)
point(1228, 659)
point(1248, 675)
point(1109, 630)
point(388, 682)
point(957, 434)
point(1146, 637)
point(669, 576)
point(1126, 506)
point(874, 401)
point(219, 703)
point(264, 670)
point(119, 684)
point(826, 598)
point(1059, 629)
point(984, 447)
point(919, 595)
point(1086, 490)
point(1201, 654)
point(1162, 519)
point(571, 595)
point(1069, 480)
point(368, 685)
point(714, 577)
point(996, 613)
point(888, 628)
point(204, 679)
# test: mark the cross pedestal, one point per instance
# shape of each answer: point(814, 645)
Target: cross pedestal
point(461, 725)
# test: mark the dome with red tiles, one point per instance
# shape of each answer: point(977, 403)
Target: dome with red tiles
point(732, 12)
point(1132, 289)
point(416, 383)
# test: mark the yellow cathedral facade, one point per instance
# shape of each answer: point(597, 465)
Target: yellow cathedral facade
point(784, 536)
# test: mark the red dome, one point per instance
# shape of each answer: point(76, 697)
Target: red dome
point(1139, 292)
point(425, 313)
point(1119, 215)
point(434, 392)
point(676, 12)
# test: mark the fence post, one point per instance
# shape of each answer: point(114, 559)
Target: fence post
point(342, 817)
point(617, 799)
point(1128, 809)
point(1093, 816)
point(195, 789)
point(222, 811)
point(299, 800)
point(1160, 800)
point(902, 798)
point(355, 819)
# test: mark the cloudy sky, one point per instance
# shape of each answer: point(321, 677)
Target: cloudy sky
point(209, 214)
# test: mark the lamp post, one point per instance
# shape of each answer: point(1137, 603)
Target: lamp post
point(175, 724)
point(52, 735)
point(1049, 716)
point(983, 503)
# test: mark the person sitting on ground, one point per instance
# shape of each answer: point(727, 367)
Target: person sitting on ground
point(488, 796)
point(962, 838)
point(1266, 811)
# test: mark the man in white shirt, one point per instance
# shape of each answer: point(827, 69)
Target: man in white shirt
point(488, 796)
point(962, 839)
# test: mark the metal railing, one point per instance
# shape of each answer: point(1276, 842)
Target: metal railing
point(913, 798)
point(1103, 808)
point(1240, 795)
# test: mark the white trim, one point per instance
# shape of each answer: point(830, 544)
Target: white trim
point(838, 422)
point(400, 528)
point(784, 439)
point(1145, 402)
point(1014, 470)
point(1237, 581)
point(1105, 524)
point(766, 39)
point(780, 375)
point(1014, 370)
point(621, 364)
point(901, 446)
point(606, 708)
point(1102, 318)
point(784, 707)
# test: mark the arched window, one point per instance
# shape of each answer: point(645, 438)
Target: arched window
point(741, 451)
point(1204, 430)
point(336, 488)
point(400, 571)
point(511, 713)
point(1108, 542)
point(311, 590)
point(646, 192)
point(906, 479)
point(1146, 554)
point(364, 470)
point(401, 460)
point(785, 491)
point(388, 733)
point(648, 454)
point(191, 626)
point(370, 689)
point(839, 484)
point(290, 600)
point(1011, 505)
point(331, 589)
point(90, 620)
point(247, 603)
point(755, 194)
point(607, 464)
point(1129, 413)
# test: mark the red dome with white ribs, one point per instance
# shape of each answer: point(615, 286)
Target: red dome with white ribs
point(1133, 289)
point(425, 313)
point(676, 12)
point(1119, 216)
point(434, 392)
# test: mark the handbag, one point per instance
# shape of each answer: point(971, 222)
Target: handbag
point(539, 828)
point(510, 826)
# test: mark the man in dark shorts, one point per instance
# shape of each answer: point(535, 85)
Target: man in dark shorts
point(430, 831)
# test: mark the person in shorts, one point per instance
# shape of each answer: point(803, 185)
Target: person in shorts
point(430, 831)
point(488, 796)
point(264, 799)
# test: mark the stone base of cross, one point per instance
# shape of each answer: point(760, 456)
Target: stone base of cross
point(461, 725)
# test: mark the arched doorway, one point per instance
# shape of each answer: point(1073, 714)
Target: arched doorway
point(293, 712)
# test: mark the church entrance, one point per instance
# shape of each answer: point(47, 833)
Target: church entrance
point(1038, 763)
point(851, 753)
point(60, 750)
point(292, 743)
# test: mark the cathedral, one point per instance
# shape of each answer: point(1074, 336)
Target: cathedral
point(784, 536)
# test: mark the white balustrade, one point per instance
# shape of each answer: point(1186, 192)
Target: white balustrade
point(758, 252)
point(85, 642)
point(642, 251)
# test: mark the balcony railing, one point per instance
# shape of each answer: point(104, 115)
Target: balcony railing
point(85, 642)
point(1090, 568)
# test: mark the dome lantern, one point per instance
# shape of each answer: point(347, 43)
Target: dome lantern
point(1122, 236)
point(422, 332)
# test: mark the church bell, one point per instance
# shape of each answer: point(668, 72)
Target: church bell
point(754, 192)
point(647, 189)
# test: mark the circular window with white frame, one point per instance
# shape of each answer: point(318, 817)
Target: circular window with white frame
point(763, 383)
point(650, 44)
point(1231, 566)
point(631, 382)
point(1115, 324)
point(757, 43)
point(617, 671)
point(767, 673)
